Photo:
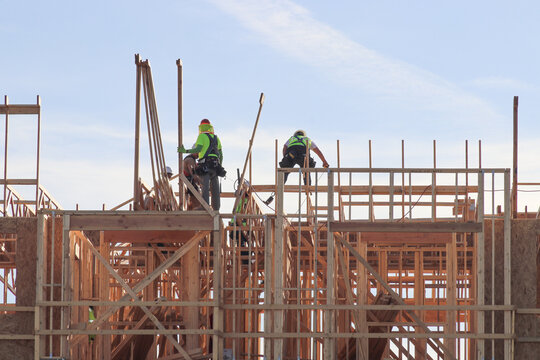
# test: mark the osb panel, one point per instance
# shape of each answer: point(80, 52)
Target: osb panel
point(26, 261)
point(524, 282)
point(8, 225)
point(21, 322)
point(499, 281)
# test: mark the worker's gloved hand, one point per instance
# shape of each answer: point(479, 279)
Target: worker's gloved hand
point(325, 165)
point(182, 149)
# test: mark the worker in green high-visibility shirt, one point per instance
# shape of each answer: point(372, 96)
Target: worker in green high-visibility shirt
point(91, 318)
point(209, 168)
point(295, 152)
point(239, 235)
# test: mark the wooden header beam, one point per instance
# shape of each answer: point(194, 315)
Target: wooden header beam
point(432, 227)
point(20, 109)
point(138, 221)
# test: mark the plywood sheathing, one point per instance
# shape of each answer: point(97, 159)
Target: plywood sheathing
point(21, 322)
point(524, 283)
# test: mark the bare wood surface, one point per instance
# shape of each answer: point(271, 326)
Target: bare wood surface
point(435, 227)
point(137, 221)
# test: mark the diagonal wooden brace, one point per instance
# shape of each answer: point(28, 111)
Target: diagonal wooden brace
point(144, 282)
point(136, 299)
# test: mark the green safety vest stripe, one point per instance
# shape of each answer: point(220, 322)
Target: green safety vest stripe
point(299, 141)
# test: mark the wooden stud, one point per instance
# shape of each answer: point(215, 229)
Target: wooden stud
point(279, 273)
point(329, 319)
point(180, 134)
point(515, 159)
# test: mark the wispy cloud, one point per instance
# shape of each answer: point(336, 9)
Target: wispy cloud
point(291, 29)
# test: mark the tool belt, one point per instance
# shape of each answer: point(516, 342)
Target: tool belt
point(210, 163)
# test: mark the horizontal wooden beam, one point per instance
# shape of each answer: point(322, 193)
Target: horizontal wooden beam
point(397, 170)
point(396, 238)
point(20, 109)
point(378, 189)
point(18, 181)
point(428, 227)
point(139, 221)
point(148, 236)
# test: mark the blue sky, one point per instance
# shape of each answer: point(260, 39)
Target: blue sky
point(346, 70)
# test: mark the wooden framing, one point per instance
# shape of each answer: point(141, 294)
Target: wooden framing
point(305, 282)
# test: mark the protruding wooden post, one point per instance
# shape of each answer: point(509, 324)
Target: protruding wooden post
point(434, 184)
point(515, 161)
point(38, 101)
point(508, 328)
point(480, 272)
point(6, 101)
point(180, 140)
point(278, 294)
point(136, 187)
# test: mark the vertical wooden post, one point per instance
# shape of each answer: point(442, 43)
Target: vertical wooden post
point(419, 299)
point(6, 101)
point(218, 310)
point(136, 187)
point(329, 319)
point(190, 268)
point(104, 292)
point(508, 328)
point(370, 190)
point(403, 179)
point(515, 161)
point(39, 320)
point(180, 135)
point(268, 315)
point(466, 209)
point(480, 273)
point(391, 197)
point(451, 277)
point(479, 154)
point(66, 284)
point(38, 100)
point(434, 184)
point(362, 291)
point(278, 295)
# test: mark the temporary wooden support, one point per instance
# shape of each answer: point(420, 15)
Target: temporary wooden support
point(9, 109)
point(181, 194)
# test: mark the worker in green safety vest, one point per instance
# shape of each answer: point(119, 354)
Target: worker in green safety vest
point(210, 158)
point(91, 318)
point(295, 151)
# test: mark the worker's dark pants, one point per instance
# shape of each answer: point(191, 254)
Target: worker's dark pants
point(295, 156)
point(210, 182)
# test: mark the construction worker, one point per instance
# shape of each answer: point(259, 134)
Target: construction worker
point(91, 319)
point(295, 150)
point(241, 208)
point(210, 158)
point(190, 164)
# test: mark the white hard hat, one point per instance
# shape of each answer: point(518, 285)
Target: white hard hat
point(168, 170)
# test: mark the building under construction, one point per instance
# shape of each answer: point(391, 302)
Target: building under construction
point(371, 263)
